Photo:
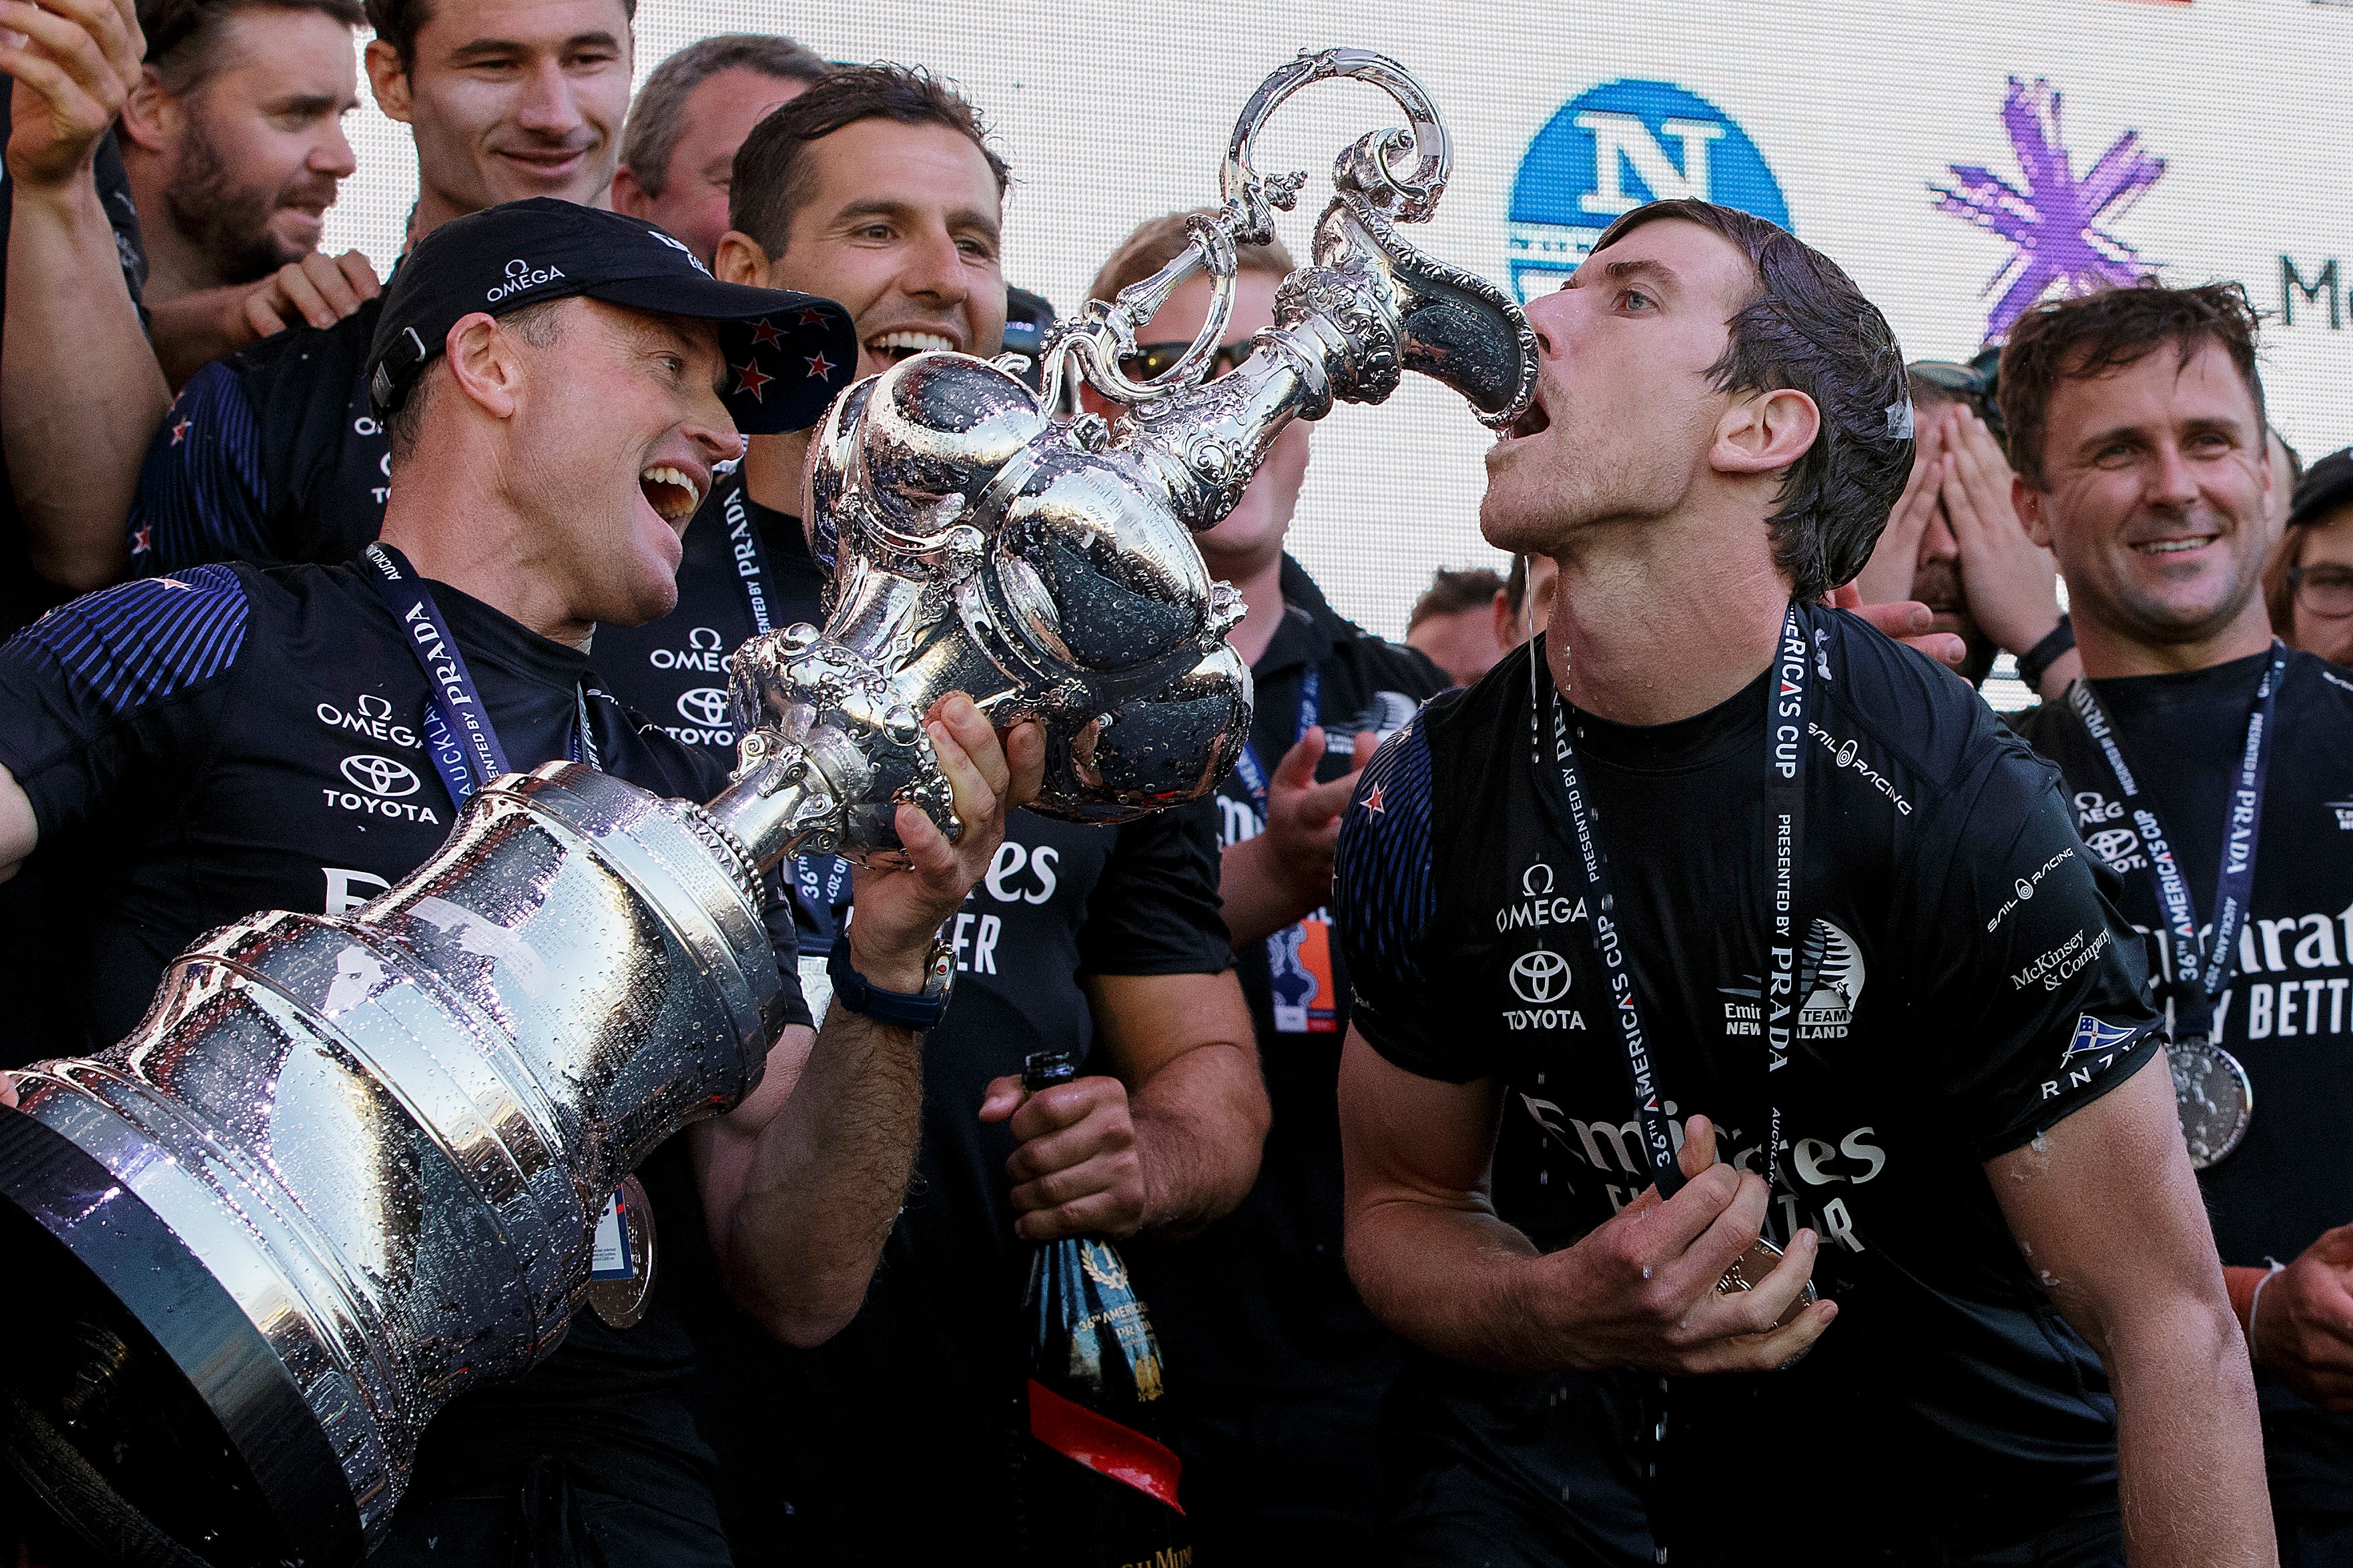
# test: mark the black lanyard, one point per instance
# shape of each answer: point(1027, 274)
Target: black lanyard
point(1560, 787)
point(458, 734)
point(2193, 989)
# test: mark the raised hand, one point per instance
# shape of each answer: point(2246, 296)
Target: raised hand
point(900, 910)
point(74, 62)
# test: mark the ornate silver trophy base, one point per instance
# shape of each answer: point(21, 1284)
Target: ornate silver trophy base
point(348, 1167)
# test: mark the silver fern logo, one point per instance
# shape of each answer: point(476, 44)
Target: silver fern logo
point(1836, 964)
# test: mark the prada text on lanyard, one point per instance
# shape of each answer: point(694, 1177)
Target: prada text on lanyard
point(1298, 957)
point(458, 736)
point(2197, 972)
point(1562, 791)
point(747, 554)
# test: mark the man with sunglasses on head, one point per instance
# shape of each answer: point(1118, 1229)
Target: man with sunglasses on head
point(877, 187)
point(2212, 766)
point(1276, 1369)
point(1954, 542)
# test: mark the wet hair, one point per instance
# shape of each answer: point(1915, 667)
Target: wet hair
point(1158, 241)
point(658, 114)
point(1809, 329)
point(397, 22)
point(183, 36)
point(2100, 335)
point(1454, 590)
point(772, 174)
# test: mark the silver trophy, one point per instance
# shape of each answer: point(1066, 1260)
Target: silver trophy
point(349, 1166)
point(1045, 564)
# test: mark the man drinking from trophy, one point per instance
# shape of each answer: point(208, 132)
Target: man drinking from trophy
point(557, 384)
point(1860, 1175)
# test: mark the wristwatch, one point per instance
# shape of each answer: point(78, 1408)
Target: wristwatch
point(920, 1010)
point(2036, 661)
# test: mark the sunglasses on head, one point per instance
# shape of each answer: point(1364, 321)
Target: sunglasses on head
point(1152, 360)
point(1973, 383)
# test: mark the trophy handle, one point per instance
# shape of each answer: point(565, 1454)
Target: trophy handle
point(1101, 335)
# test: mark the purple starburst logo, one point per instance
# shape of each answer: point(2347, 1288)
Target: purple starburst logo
point(2056, 222)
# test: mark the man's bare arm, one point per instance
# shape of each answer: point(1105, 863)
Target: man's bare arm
point(80, 393)
point(1435, 1263)
point(2107, 1215)
point(802, 1182)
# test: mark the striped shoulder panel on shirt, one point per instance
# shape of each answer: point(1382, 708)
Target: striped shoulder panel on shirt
point(1384, 886)
point(202, 496)
point(143, 640)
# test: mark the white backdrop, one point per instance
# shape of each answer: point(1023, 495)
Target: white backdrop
point(1855, 109)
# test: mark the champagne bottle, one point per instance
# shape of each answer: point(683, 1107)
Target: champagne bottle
point(1098, 1485)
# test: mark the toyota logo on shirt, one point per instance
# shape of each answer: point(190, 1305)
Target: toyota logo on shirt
point(1540, 976)
point(704, 705)
point(379, 775)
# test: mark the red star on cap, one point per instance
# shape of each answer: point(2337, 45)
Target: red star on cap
point(1373, 806)
point(765, 333)
point(819, 366)
point(180, 431)
point(812, 317)
point(754, 379)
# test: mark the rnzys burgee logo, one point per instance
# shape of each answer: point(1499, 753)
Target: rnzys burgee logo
point(1614, 147)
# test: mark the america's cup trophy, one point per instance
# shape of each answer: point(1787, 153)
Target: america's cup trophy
point(349, 1166)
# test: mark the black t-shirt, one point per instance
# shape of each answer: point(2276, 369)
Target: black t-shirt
point(674, 670)
point(2287, 1016)
point(892, 1442)
point(1949, 1401)
point(272, 456)
point(1261, 1299)
point(201, 746)
point(24, 594)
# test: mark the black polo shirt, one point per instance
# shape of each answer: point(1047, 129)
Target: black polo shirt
point(2287, 1014)
point(202, 745)
point(272, 456)
point(1261, 1299)
point(1948, 1019)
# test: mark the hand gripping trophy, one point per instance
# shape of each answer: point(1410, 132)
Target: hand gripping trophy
point(349, 1166)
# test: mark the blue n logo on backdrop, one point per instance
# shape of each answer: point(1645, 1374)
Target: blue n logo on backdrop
point(1611, 150)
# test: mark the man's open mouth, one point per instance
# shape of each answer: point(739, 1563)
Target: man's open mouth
point(672, 492)
point(895, 346)
point(1533, 422)
point(2174, 546)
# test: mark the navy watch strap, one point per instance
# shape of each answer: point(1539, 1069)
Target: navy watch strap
point(2036, 661)
point(921, 1010)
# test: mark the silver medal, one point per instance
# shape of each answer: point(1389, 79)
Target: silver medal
point(2215, 1096)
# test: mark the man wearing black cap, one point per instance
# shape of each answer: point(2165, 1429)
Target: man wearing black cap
point(2309, 583)
point(273, 454)
point(232, 738)
point(2212, 768)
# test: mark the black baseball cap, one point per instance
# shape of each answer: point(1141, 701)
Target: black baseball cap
point(787, 353)
point(2327, 485)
